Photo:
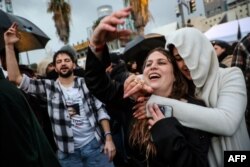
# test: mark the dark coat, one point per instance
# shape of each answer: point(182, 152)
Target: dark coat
point(111, 93)
point(180, 146)
point(23, 142)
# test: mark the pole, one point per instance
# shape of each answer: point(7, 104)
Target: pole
point(182, 14)
point(248, 3)
point(27, 55)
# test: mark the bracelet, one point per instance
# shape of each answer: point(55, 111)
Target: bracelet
point(97, 48)
point(107, 133)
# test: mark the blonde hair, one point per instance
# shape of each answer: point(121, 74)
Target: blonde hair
point(42, 66)
point(140, 136)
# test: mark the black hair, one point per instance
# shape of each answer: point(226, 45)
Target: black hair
point(191, 85)
point(72, 57)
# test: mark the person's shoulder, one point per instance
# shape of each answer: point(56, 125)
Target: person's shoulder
point(232, 74)
point(230, 70)
point(80, 80)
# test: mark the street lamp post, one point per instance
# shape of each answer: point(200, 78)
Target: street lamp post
point(182, 14)
point(182, 3)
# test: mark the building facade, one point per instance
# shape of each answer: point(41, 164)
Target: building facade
point(217, 12)
point(6, 5)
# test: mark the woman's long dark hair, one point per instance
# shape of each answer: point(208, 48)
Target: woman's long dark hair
point(139, 134)
point(191, 86)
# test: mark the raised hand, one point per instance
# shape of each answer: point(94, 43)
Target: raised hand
point(11, 36)
point(107, 30)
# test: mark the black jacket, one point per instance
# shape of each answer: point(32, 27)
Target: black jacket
point(111, 93)
point(22, 141)
point(180, 146)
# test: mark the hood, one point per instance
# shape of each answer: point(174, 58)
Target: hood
point(197, 53)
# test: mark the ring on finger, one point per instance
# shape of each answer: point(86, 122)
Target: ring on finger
point(136, 81)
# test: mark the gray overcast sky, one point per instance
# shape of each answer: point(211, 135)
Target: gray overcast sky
point(84, 13)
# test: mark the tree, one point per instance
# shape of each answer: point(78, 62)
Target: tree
point(61, 15)
point(140, 14)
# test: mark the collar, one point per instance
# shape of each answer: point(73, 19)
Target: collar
point(3, 73)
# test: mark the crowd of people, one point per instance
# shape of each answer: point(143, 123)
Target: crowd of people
point(188, 106)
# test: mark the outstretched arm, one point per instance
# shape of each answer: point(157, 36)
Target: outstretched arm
point(107, 30)
point(98, 82)
point(11, 37)
point(224, 118)
point(109, 147)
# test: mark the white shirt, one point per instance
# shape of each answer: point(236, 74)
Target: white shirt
point(82, 130)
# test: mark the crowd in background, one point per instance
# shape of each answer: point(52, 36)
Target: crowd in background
point(67, 115)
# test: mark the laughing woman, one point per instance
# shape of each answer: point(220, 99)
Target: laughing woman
point(223, 90)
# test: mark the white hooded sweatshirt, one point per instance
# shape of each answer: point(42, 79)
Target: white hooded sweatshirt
point(222, 89)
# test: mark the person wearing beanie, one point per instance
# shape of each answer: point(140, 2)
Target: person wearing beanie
point(222, 50)
point(77, 117)
point(45, 66)
point(69, 50)
point(77, 71)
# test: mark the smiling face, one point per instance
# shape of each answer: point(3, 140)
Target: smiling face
point(64, 66)
point(158, 73)
point(181, 64)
